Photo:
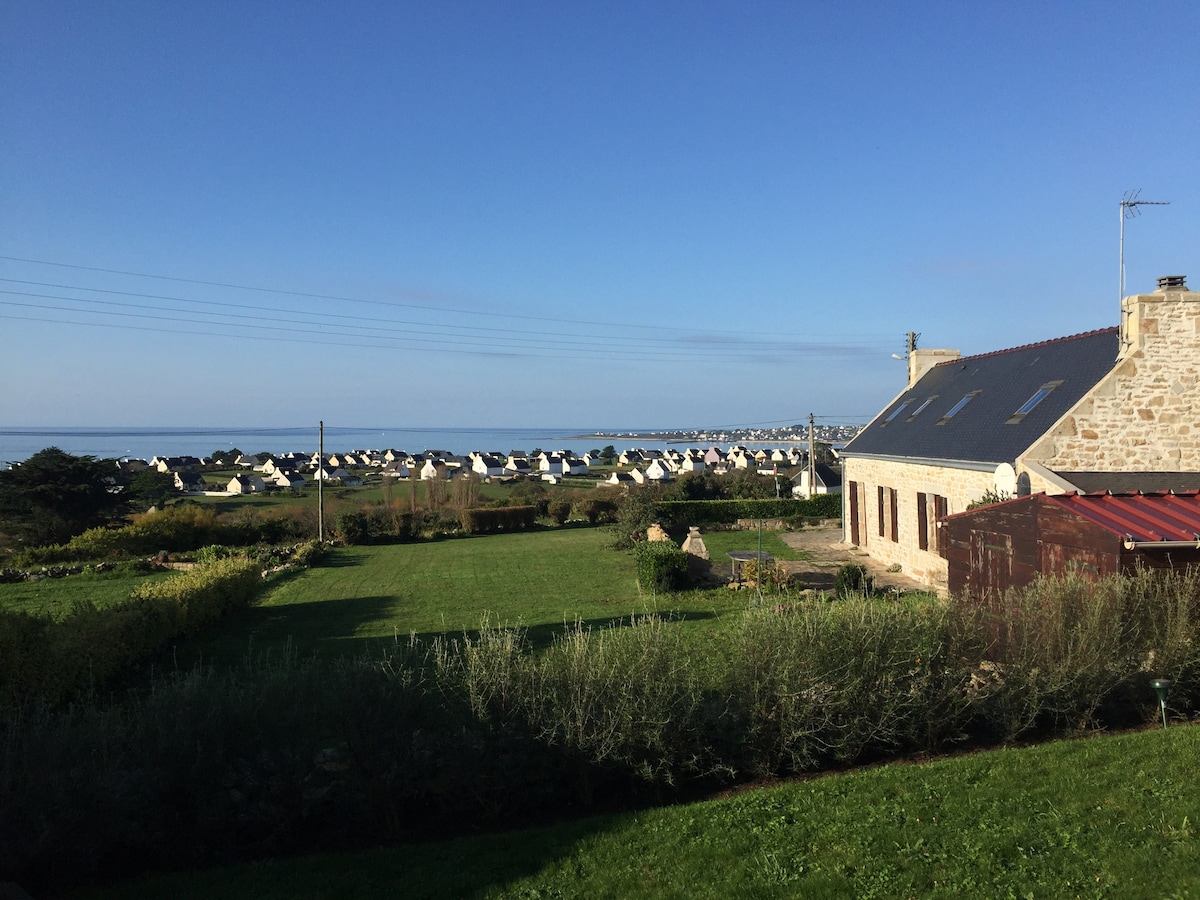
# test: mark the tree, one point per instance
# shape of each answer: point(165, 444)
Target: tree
point(608, 452)
point(53, 496)
point(225, 457)
point(151, 487)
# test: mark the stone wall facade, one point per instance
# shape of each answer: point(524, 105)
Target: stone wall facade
point(1145, 414)
point(958, 488)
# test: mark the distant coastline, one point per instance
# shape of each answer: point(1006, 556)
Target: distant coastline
point(118, 442)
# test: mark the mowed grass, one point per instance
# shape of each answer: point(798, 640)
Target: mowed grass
point(54, 597)
point(1112, 816)
point(540, 581)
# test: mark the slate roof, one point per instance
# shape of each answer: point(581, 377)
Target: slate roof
point(1005, 380)
point(1132, 482)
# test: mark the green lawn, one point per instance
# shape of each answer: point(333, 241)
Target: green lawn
point(53, 597)
point(1100, 817)
point(540, 580)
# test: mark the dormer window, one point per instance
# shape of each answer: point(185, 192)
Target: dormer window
point(920, 409)
point(954, 410)
point(1038, 396)
point(899, 409)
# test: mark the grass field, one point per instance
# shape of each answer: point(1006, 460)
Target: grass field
point(540, 581)
point(1111, 816)
point(53, 597)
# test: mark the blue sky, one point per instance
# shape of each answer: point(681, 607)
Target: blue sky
point(567, 214)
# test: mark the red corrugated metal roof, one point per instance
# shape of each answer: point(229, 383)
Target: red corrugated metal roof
point(1144, 518)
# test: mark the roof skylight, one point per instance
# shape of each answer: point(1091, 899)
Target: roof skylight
point(957, 407)
point(920, 409)
point(1027, 407)
point(899, 409)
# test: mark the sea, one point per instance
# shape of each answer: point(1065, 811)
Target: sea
point(18, 443)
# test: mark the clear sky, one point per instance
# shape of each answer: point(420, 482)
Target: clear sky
point(617, 214)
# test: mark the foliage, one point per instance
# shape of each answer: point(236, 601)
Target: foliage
point(53, 496)
point(559, 510)
point(990, 496)
point(661, 566)
point(151, 487)
point(375, 749)
point(680, 513)
point(636, 511)
point(1067, 652)
point(852, 579)
point(530, 493)
point(43, 661)
point(489, 521)
point(596, 510)
point(179, 528)
point(771, 574)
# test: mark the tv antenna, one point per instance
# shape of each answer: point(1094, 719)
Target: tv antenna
point(1129, 210)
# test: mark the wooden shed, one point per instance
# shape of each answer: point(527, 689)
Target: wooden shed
point(993, 548)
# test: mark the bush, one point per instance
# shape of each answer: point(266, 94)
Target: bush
point(49, 662)
point(596, 510)
point(505, 518)
point(661, 566)
point(852, 579)
point(559, 510)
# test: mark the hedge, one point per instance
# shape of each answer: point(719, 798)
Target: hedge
point(661, 566)
point(677, 513)
point(47, 661)
point(506, 518)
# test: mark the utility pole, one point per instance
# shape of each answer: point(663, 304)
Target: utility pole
point(812, 457)
point(321, 481)
point(1129, 210)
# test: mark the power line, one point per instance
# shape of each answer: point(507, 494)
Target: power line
point(345, 299)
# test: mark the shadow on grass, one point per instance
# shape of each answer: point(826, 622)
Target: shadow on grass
point(334, 627)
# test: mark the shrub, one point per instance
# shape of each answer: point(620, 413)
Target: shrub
point(596, 510)
point(49, 662)
point(506, 518)
point(661, 566)
point(559, 510)
point(852, 579)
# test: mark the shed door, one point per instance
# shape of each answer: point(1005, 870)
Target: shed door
point(991, 563)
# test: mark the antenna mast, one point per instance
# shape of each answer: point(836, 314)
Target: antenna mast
point(1129, 210)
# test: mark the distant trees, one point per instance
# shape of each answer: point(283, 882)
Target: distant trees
point(53, 496)
point(225, 457)
point(151, 487)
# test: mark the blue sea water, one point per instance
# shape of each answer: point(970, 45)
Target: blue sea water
point(18, 443)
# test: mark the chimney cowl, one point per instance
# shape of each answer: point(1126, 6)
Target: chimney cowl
point(1172, 283)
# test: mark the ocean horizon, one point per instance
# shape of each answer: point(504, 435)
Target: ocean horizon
point(19, 443)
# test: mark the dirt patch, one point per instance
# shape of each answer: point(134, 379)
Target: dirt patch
point(825, 553)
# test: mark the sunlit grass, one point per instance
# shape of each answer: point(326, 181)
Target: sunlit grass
point(1099, 817)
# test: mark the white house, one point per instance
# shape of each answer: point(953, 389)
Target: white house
point(658, 470)
point(827, 481)
point(245, 484)
point(287, 478)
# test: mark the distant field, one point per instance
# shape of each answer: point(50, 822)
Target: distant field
point(538, 580)
point(53, 597)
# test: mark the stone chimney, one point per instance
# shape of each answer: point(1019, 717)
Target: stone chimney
point(921, 361)
point(1170, 315)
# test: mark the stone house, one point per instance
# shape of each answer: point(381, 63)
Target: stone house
point(1081, 413)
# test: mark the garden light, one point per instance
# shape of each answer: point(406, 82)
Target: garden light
point(1161, 686)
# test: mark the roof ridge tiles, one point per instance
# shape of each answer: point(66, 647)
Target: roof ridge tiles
point(1059, 340)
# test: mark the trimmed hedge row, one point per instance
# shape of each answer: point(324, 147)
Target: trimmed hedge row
point(175, 529)
point(676, 513)
point(661, 566)
point(46, 661)
point(507, 518)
